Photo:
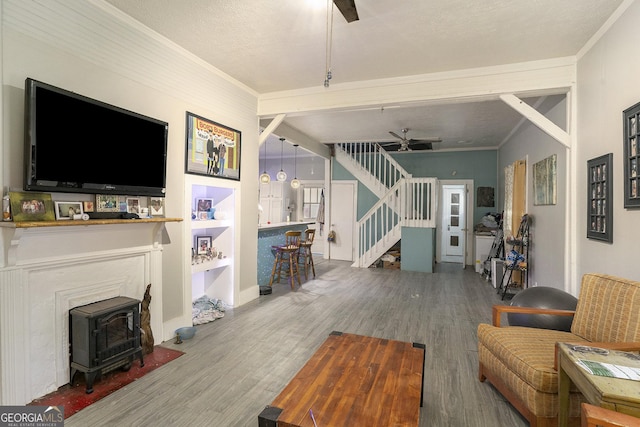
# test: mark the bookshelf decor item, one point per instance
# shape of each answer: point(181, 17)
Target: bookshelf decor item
point(212, 149)
point(599, 198)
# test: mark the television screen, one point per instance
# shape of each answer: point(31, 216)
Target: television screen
point(78, 144)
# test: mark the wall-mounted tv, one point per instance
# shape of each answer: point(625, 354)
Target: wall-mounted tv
point(75, 144)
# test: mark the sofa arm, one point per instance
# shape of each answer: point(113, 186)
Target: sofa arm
point(499, 309)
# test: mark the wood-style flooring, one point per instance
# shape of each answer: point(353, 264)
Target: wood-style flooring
point(237, 365)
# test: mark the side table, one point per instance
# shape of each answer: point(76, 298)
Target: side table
point(621, 395)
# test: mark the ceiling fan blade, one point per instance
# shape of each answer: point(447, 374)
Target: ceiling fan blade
point(422, 146)
point(396, 135)
point(418, 141)
point(348, 9)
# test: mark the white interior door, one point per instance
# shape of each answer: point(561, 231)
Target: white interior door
point(453, 223)
point(343, 219)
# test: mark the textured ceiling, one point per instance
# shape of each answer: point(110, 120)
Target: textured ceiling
point(281, 45)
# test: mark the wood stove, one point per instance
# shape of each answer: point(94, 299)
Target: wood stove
point(104, 335)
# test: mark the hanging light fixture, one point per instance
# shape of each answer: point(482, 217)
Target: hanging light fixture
point(282, 175)
point(295, 182)
point(327, 71)
point(264, 177)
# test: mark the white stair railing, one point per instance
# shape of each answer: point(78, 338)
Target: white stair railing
point(411, 202)
point(371, 165)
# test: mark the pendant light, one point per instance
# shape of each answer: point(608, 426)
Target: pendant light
point(264, 177)
point(295, 182)
point(282, 175)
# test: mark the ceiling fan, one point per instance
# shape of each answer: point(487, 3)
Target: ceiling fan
point(348, 9)
point(409, 144)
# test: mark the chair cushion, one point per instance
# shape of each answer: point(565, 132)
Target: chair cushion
point(528, 352)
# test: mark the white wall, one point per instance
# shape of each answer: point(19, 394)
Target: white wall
point(546, 253)
point(607, 84)
point(92, 49)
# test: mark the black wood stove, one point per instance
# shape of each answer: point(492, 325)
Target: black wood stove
point(104, 335)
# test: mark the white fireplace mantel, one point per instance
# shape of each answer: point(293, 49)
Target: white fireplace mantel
point(49, 268)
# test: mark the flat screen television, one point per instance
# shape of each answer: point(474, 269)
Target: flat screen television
point(75, 144)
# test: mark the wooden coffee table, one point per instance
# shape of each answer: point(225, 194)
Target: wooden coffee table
point(353, 380)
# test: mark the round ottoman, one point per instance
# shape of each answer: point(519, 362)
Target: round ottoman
point(543, 297)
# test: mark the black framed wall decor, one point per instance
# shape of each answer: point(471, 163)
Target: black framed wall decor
point(631, 156)
point(599, 198)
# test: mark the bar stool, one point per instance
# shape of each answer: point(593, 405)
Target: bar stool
point(305, 251)
point(287, 254)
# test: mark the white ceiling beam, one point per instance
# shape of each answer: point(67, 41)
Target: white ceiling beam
point(536, 78)
point(270, 128)
point(294, 136)
point(538, 119)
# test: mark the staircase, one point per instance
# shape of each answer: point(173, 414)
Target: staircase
point(404, 201)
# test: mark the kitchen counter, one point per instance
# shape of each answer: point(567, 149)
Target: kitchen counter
point(283, 224)
point(272, 235)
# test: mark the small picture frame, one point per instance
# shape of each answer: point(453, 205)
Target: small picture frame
point(31, 206)
point(133, 205)
point(156, 206)
point(203, 244)
point(203, 205)
point(88, 206)
point(107, 203)
point(68, 210)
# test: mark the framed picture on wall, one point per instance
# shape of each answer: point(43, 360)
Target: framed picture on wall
point(599, 198)
point(544, 181)
point(212, 149)
point(631, 150)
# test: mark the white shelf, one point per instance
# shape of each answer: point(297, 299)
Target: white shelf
point(210, 223)
point(210, 265)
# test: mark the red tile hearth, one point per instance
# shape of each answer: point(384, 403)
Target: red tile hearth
point(74, 398)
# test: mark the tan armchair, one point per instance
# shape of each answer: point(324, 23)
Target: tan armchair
point(521, 362)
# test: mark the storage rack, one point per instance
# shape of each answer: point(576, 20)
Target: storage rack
point(520, 244)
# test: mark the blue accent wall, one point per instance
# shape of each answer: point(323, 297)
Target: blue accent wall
point(481, 166)
point(417, 249)
point(418, 245)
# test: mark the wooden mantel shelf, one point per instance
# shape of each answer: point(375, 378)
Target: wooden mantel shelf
point(18, 231)
point(71, 223)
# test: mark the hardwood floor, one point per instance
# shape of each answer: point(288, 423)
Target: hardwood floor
point(237, 365)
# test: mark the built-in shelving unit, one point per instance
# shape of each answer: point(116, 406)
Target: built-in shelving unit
point(211, 275)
